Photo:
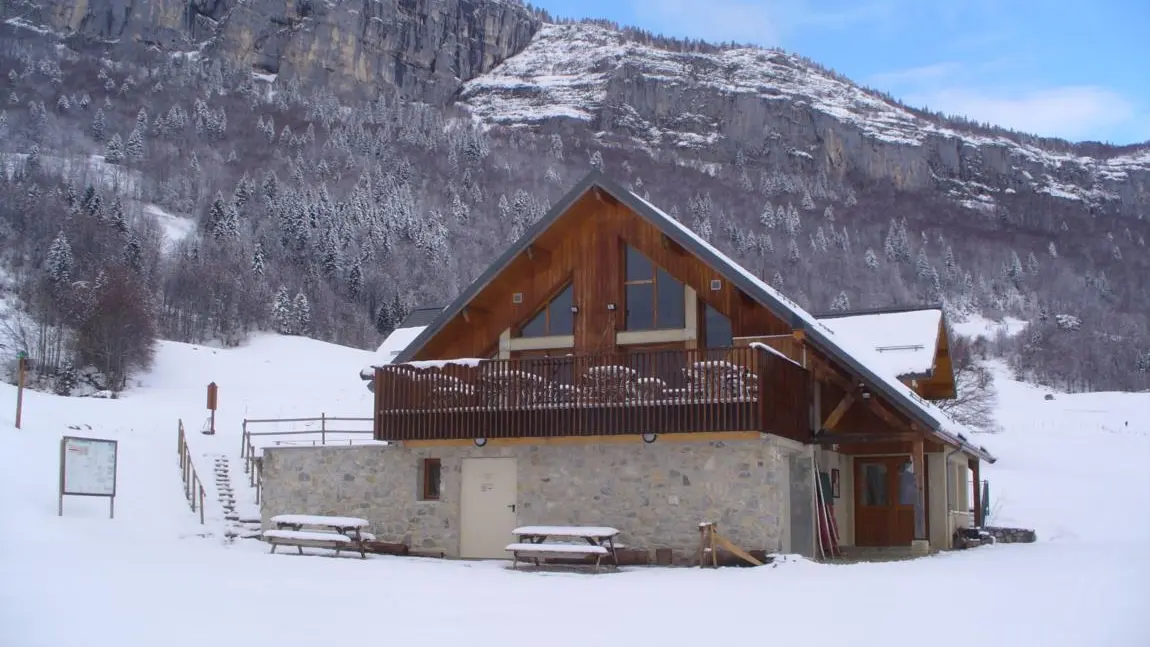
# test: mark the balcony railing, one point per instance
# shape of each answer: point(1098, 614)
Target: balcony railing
point(644, 391)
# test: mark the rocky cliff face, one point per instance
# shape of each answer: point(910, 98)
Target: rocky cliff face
point(424, 48)
point(496, 59)
point(770, 104)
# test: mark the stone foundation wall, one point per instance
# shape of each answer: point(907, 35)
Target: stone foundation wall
point(656, 494)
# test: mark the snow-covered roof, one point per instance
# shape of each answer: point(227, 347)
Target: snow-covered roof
point(396, 342)
point(904, 342)
point(859, 358)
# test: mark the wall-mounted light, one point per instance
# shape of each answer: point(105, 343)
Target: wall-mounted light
point(866, 395)
point(574, 310)
point(649, 438)
point(611, 307)
point(479, 442)
point(517, 297)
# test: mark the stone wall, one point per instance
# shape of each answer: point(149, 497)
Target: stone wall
point(655, 494)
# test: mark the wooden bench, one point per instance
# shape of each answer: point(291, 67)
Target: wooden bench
point(336, 533)
point(598, 541)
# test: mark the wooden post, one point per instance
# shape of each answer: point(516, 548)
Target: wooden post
point(323, 428)
point(22, 363)
point(918, 462)
point(977, 503)
point(212, 395)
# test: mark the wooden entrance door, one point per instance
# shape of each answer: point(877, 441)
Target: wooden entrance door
point(487, 507)
point(884, 501)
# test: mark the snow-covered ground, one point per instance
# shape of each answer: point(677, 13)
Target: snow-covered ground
point(1070, 467)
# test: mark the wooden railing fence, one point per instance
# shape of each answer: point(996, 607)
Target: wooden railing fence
point(326, 436)
point(193, 486)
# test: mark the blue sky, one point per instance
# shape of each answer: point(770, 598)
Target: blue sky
point(1077, 70)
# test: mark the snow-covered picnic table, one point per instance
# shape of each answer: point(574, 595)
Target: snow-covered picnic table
point(323, 532)
point(600, 542)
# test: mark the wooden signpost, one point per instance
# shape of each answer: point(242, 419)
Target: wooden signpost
point(22, 369)
point(212, 394)
point(88, 468)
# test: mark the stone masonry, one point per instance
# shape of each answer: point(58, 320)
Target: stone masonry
point(656, 494)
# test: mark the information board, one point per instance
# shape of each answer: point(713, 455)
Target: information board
point(87, 468)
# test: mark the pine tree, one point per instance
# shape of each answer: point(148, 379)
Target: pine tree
point(767, 218)
point(808, 201)
point(777, 280)
point(114, 151)
point(829, 213)
point(922, 265)
point(134, 149)
point(355, 280)
point(282, 315)
point(301, 314)
point(841, 303)
point(793, 255)
point(1052, 250)
point(1032, 267)
point(258, 259)
point(597, 161)
point(870, 259)
point(133, 254)
point(116, 216)
point(99, 125)
point(59, 260)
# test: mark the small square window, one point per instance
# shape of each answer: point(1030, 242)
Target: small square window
point(429, 475)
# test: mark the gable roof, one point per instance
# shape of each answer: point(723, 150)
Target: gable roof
point(906, 340)
point(860, 360)
point(420, 317)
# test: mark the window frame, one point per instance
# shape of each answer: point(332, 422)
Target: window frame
point(545, 312)
point(680, 320)
point(430, 479)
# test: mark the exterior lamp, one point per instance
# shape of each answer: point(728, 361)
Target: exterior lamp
point(649, 438)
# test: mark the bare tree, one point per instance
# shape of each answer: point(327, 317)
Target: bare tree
point(974, 383)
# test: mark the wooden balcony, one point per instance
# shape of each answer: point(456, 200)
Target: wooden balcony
point(646, 391)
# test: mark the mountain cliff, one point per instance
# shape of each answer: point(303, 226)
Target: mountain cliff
point(320, 167)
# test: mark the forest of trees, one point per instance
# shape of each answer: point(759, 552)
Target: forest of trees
point(313, 216)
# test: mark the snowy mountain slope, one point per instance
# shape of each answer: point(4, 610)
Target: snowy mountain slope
point(755, 98)
point(1069, 467)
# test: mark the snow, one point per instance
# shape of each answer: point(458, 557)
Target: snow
point(904, 342)
point(399, 339)
point(320, 520)
point(175, 228)
point(975, 326)
point(567, 531)
point(582, 549)
point(1072, 468)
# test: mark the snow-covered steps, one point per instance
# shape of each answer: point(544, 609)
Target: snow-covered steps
point(242, 526)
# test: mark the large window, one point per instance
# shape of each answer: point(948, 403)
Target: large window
point(716, 328)
point(654, 299)
point(554, 319)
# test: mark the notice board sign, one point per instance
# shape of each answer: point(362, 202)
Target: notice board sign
point(88, 468)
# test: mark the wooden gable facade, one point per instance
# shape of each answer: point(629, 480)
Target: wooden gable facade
point(583, 257)
point(607, 318)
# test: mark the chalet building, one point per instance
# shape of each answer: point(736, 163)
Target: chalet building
point(613, 368)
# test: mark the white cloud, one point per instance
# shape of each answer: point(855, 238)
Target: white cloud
point(1070, 112)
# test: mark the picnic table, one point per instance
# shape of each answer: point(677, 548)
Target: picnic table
point(337, 533)
point(597, 540)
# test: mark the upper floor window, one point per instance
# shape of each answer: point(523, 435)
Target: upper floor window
point(716, 328)
point(654, 299)
point(554, 319)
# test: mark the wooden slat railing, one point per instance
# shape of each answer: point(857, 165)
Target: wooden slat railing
point(644, 391)
point(193, 486)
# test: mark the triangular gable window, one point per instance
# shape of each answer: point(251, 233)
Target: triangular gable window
point(654, 299)
point(555, 318)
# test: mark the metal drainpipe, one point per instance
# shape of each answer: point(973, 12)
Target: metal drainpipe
point(946, 473)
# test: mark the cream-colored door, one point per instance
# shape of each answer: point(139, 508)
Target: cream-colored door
point(487, 507)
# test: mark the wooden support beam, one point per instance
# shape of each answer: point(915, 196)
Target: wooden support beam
point(838, 412)
point(864, 438)
point(918, 462)
point(537, 254)
point(470, 312)
point(978, 520)
point(672, 246)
